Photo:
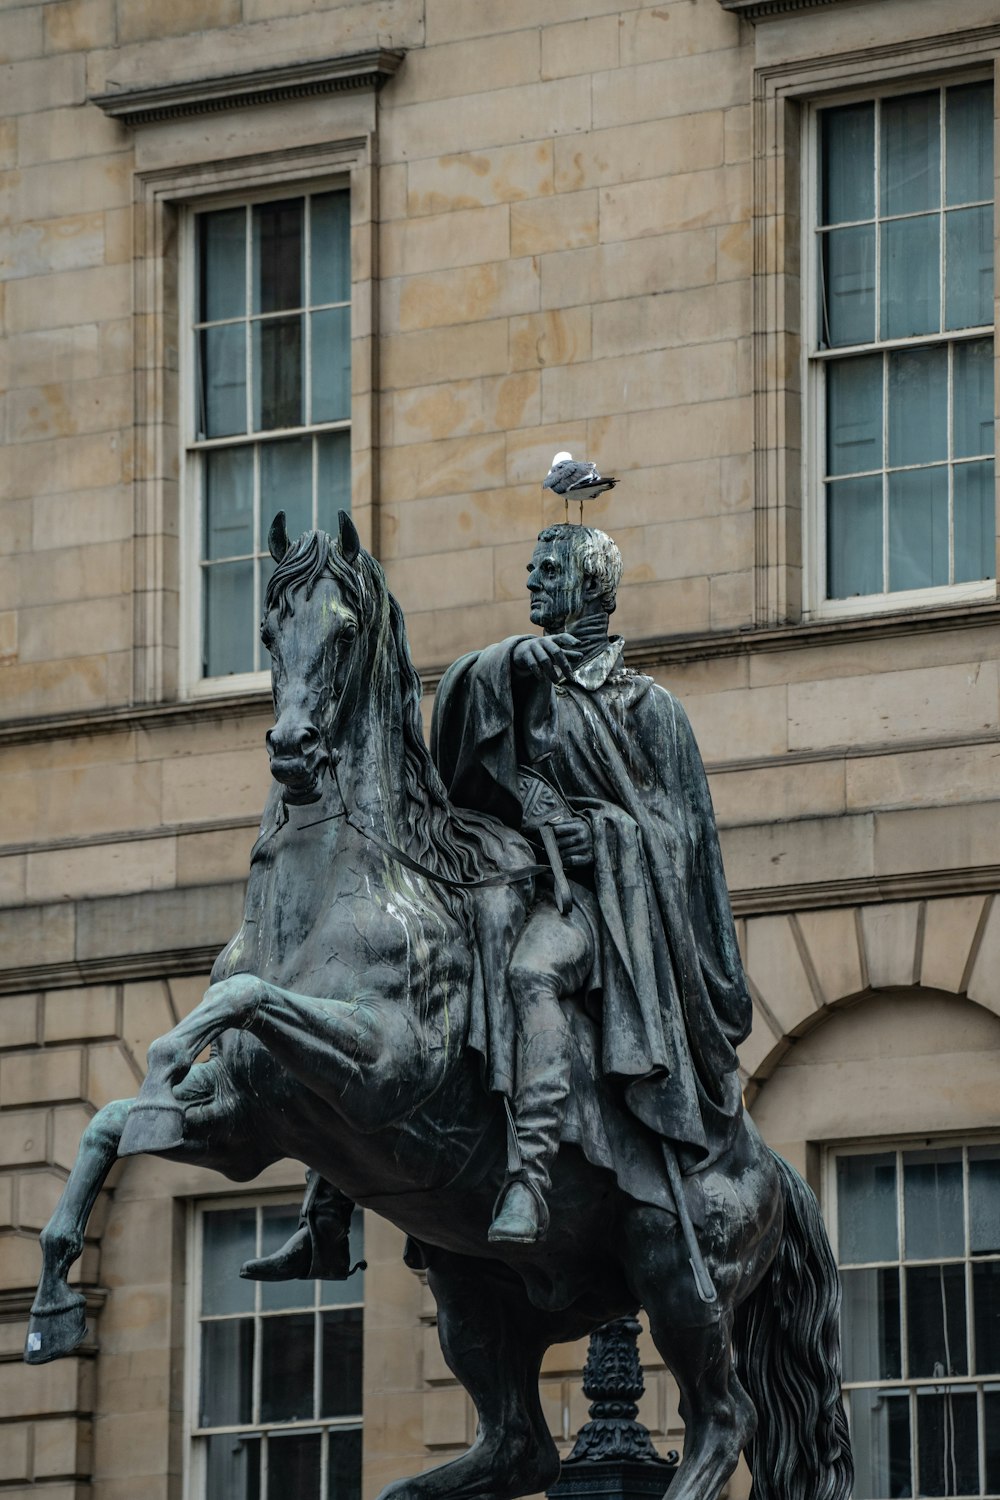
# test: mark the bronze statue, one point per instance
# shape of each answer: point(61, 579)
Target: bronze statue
point(353, 1020)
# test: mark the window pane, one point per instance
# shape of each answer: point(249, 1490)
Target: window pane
point(932, 1204)
point(277, 1225)
point(331, 247)
point(222, 399)
point(854, 550)
point(918, 529)
point(911, 270)
point(228, 1239)
point(854, 415)
point(866, 1208)
point(286, 484)
point(228, 502)
point(991, 1413)
point(286, 1378)
point(334, 478)
point(847, 164)
point(969, 134)
point(226, 1372)
point(229, 622)
point(880, 1437)
point(277, 255)
point(918, 405)
point(935, 1313)
point(973, 419)
point(341, 1363)
point(344, 1481)
point(277, 373)
point(331, 365)
point(975, 530)
point(969, 252)
point(947, 1443)
point(847, 309)
point(871, 1330)
point(986, 1316)
point(232, 1467)
point(911, 153)
point(293, 1466)
point(984, 1200)
point(222, 265)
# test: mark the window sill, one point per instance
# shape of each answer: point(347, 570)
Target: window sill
point(239, 684)
point(904, 602)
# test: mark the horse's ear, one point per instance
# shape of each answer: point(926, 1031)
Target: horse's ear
point(350, 542)
point(277, 537)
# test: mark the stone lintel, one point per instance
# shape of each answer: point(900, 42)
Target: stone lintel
point(358, 70)
point(760, 10)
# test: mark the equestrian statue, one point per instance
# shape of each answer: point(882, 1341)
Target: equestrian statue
point(491, 990)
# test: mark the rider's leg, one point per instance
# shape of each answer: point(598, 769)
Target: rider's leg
point(550, 963)
point(320, 1245)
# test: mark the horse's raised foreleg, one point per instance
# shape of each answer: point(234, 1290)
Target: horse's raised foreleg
point(328, 1045)
point(58, 1322)
point(493, 1340)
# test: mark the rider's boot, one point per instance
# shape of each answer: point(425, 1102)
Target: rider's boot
point(521, 1214)
point(320, 1246)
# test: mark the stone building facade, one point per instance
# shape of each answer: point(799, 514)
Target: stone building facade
point(740, 252)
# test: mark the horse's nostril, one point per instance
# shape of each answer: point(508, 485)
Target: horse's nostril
point(308, 740)
point(269, 741)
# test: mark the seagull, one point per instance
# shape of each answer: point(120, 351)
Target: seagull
point(576, 480)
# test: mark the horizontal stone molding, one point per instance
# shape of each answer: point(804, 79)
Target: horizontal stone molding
point(652, 654)
point(866, 890)
point(144, 106)
point(760, 10)
point(114, 969)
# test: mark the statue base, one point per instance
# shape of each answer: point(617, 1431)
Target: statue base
point(613, 1479)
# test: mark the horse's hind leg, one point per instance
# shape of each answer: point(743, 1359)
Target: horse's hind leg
point(493, 1340)
point(695, 1341)
point(58, 1323)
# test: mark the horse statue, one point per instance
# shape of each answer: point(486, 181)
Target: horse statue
point(338, 1018)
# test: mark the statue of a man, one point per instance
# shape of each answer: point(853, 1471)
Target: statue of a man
point(647, 933)
point(650, 932)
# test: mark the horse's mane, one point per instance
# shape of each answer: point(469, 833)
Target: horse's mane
point(454, 841)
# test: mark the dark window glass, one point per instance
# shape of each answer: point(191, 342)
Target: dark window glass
point(342, 1331)
point(287, 1364)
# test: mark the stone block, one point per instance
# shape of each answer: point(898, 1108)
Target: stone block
point(20, 1260)
point(55, 687)
point(466, 67)
point(460, 352)
point(55, 135)
point(893, 706)
point(142, 20)
point(446, 1417)
point(147, 1015)
point(80, 25)
point(95, 461)
point(19, 1021)
point(111, 1074)
point(439, 636)
point(102, 869)
point(14, 1449)
point(984, 981)
point(739, 724)
point(23, 1140)
point(52, 631)
point(469, 179)
point(950, 928)
point(788, 854)
point(738, 133)
point(732, 600)
point(500, 118)
point(632, 153)
point(56, 80)
point(463, 294)
point(454, 18)
point(774, 964)
point(58, 189)
point(690, 200)
point(53, 354)
point(550, 338)
point(937, 838)
point(8, 143)
point(69, 1122)
point(668, 86)
point(923, 778)
point(37, 1195)
point(446, 467)
point(186, 991)
point(565, 222)
point(470, 584)
point(890, 933)
point(35, 935)
point(21, 35)
point(213, 858)
point(200, 787)
point(630, 268)
point(158, 921)
point(778, 793)
point(59, 575)
point(66, 409)
point(79, 1014)
point(67, 297)
point(41, 1077)
point(676, 30)
point(454, 523)
point(61, 1448)
point(67, 802)
point(655, 379)
point(461, 408)
point(669, 607)
point(587, 46)
point(696, 315)
point(438, 242)
point(831, 940)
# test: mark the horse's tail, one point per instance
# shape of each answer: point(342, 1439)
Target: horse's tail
point(787, 1356)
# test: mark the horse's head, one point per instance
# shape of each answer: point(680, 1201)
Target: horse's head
point(312, 619)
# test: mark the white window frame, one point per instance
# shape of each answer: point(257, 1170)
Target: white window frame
point(191, 468)
point(816, 605)
point(829, 1199)
point(193, 1472)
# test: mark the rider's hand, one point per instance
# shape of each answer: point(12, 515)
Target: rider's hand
point(575, 840)
point(544, 656)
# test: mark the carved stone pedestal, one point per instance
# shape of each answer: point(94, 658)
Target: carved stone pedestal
point(614, 1457)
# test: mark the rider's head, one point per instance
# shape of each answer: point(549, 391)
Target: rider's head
point(575, 570)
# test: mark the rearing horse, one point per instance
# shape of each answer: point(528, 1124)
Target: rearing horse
point(339, 1019)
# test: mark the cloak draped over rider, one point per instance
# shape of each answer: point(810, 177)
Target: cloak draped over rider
point(670, 993)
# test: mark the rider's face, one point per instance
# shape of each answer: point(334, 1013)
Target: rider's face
point(555, 583)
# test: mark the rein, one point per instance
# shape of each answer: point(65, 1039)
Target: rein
point(505, 877)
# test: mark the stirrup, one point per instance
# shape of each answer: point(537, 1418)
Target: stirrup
point(502, 1238)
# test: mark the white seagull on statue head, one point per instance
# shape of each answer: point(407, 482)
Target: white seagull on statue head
point(576, 480)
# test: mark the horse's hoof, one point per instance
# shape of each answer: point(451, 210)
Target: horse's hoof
point(53, 1332)
point(152, 1127)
